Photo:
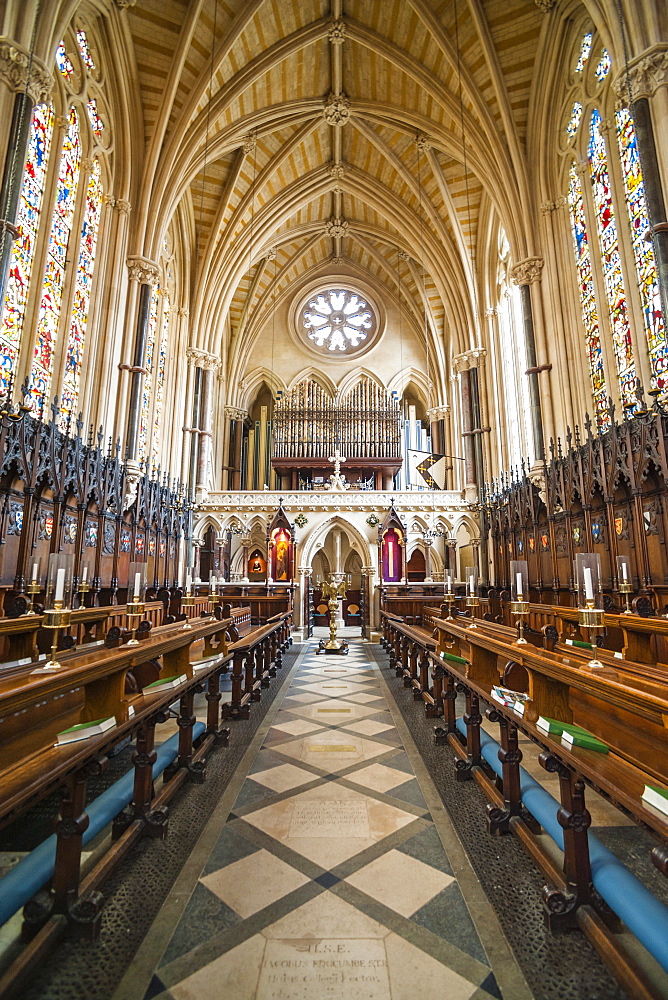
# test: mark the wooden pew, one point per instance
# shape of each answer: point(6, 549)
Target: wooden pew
point(91, 684)
point(409, 646)
point(624, 704)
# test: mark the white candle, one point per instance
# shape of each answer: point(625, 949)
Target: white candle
point(624, 573)
point(34, 573)
point(519, 586)
point(137, 585)
point(472, 585)
point(85, 574)
point(449, 584)
point(189, 583)
point(60, 584)
point(589, 586)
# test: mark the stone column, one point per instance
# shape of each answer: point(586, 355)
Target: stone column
point(648, 83)
point(207, 364)
point(524, 274)
point(467, 365)
point(146, 273)
point(236, 424)
point(29, 80)
point(427, 560)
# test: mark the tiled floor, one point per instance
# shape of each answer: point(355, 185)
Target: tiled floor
point(329, 880)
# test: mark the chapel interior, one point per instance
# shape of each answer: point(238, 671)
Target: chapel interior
point(333, 499)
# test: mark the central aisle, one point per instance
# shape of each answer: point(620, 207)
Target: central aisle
point(329, 880)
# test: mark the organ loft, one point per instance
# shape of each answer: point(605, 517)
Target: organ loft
point(333, 499)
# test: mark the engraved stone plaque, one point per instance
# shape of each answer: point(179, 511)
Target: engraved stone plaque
point(330, 818)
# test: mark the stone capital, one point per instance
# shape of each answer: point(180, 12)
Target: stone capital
point(336, 110)
point(469, 359)
point(14, 63)
point(234, 413)
point(647, 72)
point(143, 270)
point(526, 271)
point(438, 412)
point(202, 359)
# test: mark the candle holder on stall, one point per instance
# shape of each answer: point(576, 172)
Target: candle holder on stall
point(136, 599)
point(590, 610)
point(472, 598)
point(214, 597)
point(449, 597)
point(33, 588)
point(58, 604)
point(519, 591)
point(624, 585)
point(83, 586)
point(188, 600)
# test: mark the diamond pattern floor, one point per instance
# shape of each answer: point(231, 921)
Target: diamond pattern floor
point(329, 880)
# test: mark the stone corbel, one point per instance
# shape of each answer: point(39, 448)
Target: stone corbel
point(647, 72)
point(14, 63)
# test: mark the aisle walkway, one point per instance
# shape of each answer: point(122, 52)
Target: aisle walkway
point(328, 879)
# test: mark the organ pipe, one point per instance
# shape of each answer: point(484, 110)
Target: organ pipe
point(365, 423)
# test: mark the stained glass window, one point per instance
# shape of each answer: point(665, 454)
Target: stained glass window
point(23, 248)
point(611, 263)
point(604, 64)
point(160, 381)
point(588, 298)
point(147, 387)
point(96, 122)
point(585, 49)
point(63, 61)
point(574, 123)
point(52, 290)
point(643, 250)
point(69, 393)
point(84, 49)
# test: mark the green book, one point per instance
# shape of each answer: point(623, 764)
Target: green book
point(585, 740)
point(84, 730)
point(579, 643)
point(554, 727)
point(453, 658)
point(656, 797)
point(164, 683)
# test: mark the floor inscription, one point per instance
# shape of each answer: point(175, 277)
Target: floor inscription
point(329, 818)
point(324, 970)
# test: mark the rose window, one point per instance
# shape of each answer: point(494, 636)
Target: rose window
point(338, 319)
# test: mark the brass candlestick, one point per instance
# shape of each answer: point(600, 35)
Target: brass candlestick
point(134, 618)
point(32, 589)
point(625, 588)
point(591, 618)
point(55, 618)
point(472, 601)
point(333, 591)
point(520, 609)
point(449, 598)
point(187, 601)
point(82, 590)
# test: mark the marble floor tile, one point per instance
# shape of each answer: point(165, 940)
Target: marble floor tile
point(234, 974)
point(304, 699)
point(369, 728)
point(326, 916)
point(333, 751)
point(296, 728)
point(283, 778)
point(329, 824)
point(378, 777)
point(400, 882)
point(365, 698)
point(414, 974)
point(250, 884)
point(333, 710)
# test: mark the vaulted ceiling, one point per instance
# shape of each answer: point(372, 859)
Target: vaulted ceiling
point(379, 135)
